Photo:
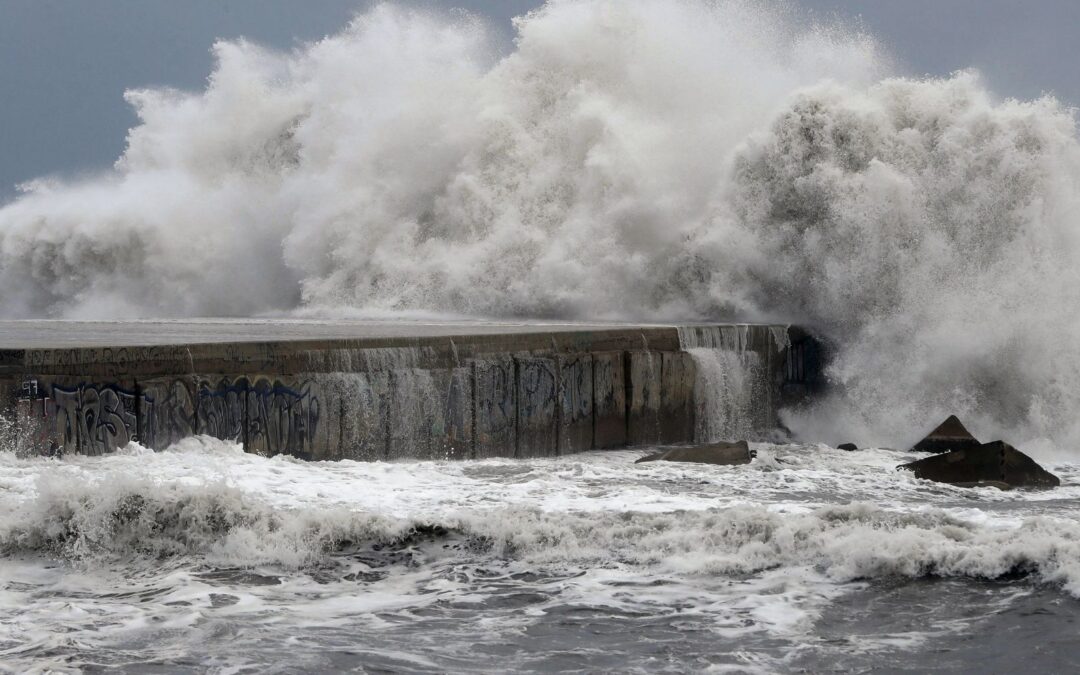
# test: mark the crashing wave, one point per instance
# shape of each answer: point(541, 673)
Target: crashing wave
point(229, 527)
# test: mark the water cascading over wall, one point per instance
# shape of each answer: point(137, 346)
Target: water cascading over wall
point(738, 386)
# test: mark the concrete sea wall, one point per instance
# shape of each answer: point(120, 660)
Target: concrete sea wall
point(526, 394)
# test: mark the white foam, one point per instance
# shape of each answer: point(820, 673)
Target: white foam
point(207, 498)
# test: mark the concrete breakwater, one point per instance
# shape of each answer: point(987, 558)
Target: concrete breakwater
point(369, 391)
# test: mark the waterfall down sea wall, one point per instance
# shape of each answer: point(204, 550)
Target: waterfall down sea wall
point(444, 392)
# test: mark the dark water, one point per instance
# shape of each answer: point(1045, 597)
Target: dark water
point(537, 622)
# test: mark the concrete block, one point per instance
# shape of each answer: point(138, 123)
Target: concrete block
point(93, 418)
point(677, 398)
point(949, 435)
point(643, 408)
point(360, 415)
point(495, 406)
point(609, 400)
point(575, 403)
point(537, 389)
point(431, 413)
point(221, 408)
point(168, 411)
point(62, 413)
point(996, 463)
point(9, 389)
point(285, 418)
point(460, 417)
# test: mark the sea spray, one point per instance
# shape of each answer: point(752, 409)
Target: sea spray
point(399, 166)
point(646, 159)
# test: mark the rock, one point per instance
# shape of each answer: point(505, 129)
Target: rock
point(850, 447)
point(724, 454)
point(949, 435)
point(996, 463)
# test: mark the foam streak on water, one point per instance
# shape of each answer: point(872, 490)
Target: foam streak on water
point(203, 556)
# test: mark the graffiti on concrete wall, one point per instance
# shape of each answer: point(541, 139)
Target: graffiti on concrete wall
point(575, 403)
point(95, 419)
point(221, 410)
point(120, 362)
point(495, 407)
point(65, 409)
point(537, 387)
point(609, 400)
point(167, 413)
point(643, 397)
point(281, 419)
point(266, 415)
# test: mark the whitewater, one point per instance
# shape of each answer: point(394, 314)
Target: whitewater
point(205, 557)
point(641, 160)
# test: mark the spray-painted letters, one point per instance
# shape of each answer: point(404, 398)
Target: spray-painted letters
point(94, 419)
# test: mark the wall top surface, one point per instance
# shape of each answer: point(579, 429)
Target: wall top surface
point(56, 334)
point(145, 348)
point(59, 334)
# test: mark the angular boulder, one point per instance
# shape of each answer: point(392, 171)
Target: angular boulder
point(949, 435)
point(848, 447)
point(998, 464)
point(724, 454)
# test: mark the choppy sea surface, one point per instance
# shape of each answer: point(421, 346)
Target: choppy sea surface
point(204, 558)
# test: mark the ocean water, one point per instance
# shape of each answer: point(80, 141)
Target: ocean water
point(204, 558)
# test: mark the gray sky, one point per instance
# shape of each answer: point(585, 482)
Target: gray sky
point(64, 64)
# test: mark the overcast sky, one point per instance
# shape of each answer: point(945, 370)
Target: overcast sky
point(64, 64)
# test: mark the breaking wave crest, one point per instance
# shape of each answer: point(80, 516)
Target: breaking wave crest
point(227, 526)
point(647, 159)
point(80, 521)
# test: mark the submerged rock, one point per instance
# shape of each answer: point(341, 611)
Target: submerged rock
point(949, 435)
point(714, 453)
point(850, 447)
point(998, 464)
